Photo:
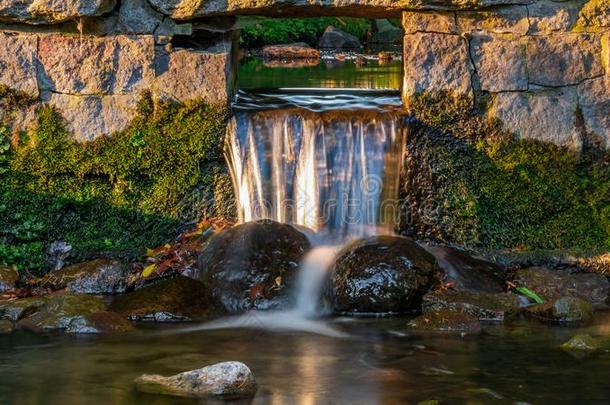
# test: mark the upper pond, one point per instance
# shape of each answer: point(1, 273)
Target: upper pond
point(254, 73)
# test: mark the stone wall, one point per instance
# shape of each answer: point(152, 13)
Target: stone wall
point(95, 69)
point(542, 67)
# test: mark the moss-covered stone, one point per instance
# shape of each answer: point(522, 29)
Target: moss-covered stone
point(468, 182)
point(6, 327)
point(483, 306)
point(565, 310)
point(95, 277)
point(15, 310)
point(63, 312)
point(446, 320)
point(581, 343)
point(177, 300)
point(115, 195)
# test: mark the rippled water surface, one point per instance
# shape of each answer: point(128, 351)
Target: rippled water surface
point(380, 361)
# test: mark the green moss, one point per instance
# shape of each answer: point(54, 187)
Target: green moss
point(115, 195)
point(497, 192)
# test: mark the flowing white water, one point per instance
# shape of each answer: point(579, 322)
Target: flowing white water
point(333, 172)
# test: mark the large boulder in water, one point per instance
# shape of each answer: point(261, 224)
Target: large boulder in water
point(252, 265)
point(334, 38)
point(382, 274)
point(467, 273)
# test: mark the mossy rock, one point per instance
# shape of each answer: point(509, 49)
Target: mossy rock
point(483, 306)
point(253, 265)
point(565, 310)
point(6, 327)
point(179, 299)
point(446, 320)
point(62, 312)
point(582, 343)
point(382, 274)
point(100, 322)
point(15, 310)
point(95, 277)
point(8, 279)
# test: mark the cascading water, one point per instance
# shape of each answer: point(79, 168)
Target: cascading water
point(329, 163)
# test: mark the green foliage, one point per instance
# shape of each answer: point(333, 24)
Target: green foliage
point(115, 195)
point(498, 192)
point(260, 31)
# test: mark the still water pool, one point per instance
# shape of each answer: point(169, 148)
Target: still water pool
point(379, 362)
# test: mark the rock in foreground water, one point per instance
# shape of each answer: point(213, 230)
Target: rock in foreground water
point(581, 343)
point(94, 277)
point(568, 310)
point(253, 265)
point(552, 284)
point(230, 379)
point(384, 274)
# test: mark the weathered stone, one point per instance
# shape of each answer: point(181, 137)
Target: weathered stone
point(8, 279)
point(547, 16)
point(499, 63)
point(563, 59)
point(386, 33)
point(552, 284)
point(230, 379)
point(185, 74)
point(334, 38)
point(429, 21)
point(383, 274)
point(89, 117)
point(483, 306)
point(14, 310)
point(446, 321)
point(51, 11)
point(543, 115)
point(138, 17)
point(96, 65)
point(95, 277)
point(62, 312)
point(436, 62)
point(466, 273)
point(6, 327)
point(291, 51)
point(594, 101)
point(57, 253)
point(581, 343)
point(180, 299)
point(501, 20)
point(253, 265)
point(569, 310)
point(595, 14)
point(18, 63)
point(99, 322)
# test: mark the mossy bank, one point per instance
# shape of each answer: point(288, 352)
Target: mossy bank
point(113, 196)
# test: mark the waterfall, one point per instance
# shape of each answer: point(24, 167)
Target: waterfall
point(327, 162)
point(333, 171)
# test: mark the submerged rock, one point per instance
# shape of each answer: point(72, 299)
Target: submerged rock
point(180, 299)
point(8, 279)
point(6, 327)
point(334, 38)
point(252, 265)
point(297, 50)
point(552, 284)
point(229, 379)
point(483, 306)
point(94, 277)
point(446, 320)
point(581, 343)
point(381, 274)
point(62, 312)
point(466, 273)
point(568, 310)
point(15, 310)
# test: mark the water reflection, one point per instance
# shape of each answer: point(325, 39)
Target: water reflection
point(254, 73)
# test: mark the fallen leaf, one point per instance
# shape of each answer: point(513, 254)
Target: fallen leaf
point(148, 270)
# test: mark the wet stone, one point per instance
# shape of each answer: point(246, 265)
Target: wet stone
point(483, 306)
point(15, 310)
point(446, 321)
point(565, 310)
